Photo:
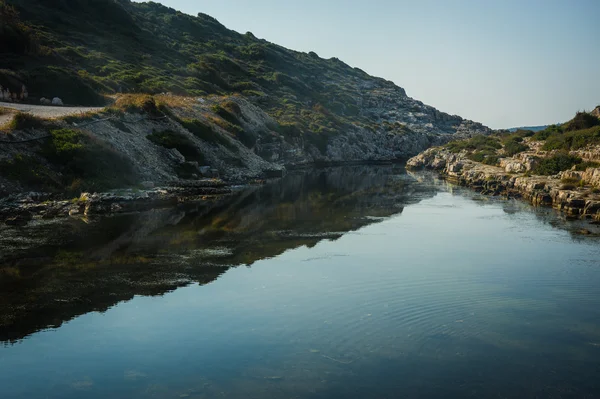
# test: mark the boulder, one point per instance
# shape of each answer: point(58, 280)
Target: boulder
point(45, 101)
point(514, 167)
point(57, 101)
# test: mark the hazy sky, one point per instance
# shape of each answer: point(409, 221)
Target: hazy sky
point(500, 62)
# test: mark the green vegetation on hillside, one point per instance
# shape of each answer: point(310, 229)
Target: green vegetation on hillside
point(556, 163)
point(581, 131)
point(81, 49)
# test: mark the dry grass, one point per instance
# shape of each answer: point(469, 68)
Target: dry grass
point(6, 111)
point(147, 102)
point(175, 101)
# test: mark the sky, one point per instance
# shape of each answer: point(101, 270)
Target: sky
point(504, 63)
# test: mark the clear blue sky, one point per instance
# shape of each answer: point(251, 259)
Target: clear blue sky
point(504, 63)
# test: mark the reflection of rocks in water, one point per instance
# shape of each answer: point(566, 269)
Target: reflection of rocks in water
point(52, 271)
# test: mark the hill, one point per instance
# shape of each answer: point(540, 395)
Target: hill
point(532, 128)
point(319, 110)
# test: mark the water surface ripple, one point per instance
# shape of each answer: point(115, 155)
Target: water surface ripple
point(424, 291)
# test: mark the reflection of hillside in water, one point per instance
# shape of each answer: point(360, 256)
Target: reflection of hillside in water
point(54, 271)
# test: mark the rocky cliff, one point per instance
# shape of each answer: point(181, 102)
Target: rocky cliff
point(267, 107)
point(558, 166)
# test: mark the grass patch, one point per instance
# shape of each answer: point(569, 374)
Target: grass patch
point(556, 163)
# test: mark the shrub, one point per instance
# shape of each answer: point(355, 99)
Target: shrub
point(23, 120)
point(487, 157)
point(587, 164)
point(556, 164)
point(582, 121)
point(544, 134)
point(573, 140)
point(479, 142)
point(513, 147)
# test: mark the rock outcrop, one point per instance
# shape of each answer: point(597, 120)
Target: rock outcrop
point(574, 201)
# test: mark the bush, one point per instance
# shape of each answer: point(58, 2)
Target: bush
point(513, 147)
point(582, 121)
point(23, 120)
point(479, 143)
point(573, 140)
point(487, 157)
point(556, 164)
point(582, 167)
point(544, 134)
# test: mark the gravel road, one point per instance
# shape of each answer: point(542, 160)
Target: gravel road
point(46, 111)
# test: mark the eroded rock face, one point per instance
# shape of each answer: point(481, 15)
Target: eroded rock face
point(540, 190)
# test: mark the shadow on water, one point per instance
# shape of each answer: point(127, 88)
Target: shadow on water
point(53, 271)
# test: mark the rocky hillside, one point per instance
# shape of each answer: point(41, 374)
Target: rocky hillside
point(557, 166)
point(314, 109)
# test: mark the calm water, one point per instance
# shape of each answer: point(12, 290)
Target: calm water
point(351, 282)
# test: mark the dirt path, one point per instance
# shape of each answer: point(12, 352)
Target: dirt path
point(44, 111)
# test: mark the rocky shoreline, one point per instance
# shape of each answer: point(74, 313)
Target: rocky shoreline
point(20, 209)
point(578, 202)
